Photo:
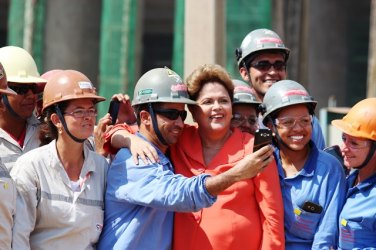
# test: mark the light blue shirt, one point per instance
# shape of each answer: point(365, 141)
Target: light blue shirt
point(357, 221)
point(321, 181)
point(140, 200)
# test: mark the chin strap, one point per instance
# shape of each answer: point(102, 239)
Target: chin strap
point(61, 117)
point(369, 155)
point(155, 125)
point(9, 108)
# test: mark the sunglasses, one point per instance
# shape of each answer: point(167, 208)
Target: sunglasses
point(238, 119)
point(22, 89)
point(266, 65)
point(172, 114)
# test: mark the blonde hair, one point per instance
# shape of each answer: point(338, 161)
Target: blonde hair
point(205, 74)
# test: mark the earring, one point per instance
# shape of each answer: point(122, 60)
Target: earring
point(60, 130)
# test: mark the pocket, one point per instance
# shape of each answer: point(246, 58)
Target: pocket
point(355, 234)
point(96, 224)
point(305, 224)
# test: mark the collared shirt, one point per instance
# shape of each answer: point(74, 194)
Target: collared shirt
point(10, 150)
point(321, 181)
point(357, 221)
point(8, 196)
point(50, 215)
point(140, 200)
point(247, 215)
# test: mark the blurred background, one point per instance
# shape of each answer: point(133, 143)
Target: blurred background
point(114, 42)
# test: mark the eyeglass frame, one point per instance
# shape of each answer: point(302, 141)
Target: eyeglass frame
point(242, 118)
point(277, 122)
point(171, 114)
point(265, 65)
point(92, 112)
point(23, 89)
point(351, 144)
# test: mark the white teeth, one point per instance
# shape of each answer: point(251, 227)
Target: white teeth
point(217, 116)
point(297, 137)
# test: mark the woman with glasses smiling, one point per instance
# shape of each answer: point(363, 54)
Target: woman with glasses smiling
point(61, 185)
point(312, 181)
point(357, 221)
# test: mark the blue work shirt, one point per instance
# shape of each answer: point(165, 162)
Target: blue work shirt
point(357, 221)
point(140, 200)
point(321, 181)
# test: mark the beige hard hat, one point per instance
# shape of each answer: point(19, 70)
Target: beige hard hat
point(4, 89)
point(69, 85)
point(19, 65)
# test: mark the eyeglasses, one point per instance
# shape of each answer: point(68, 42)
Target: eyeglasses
point(80, 113)
point(355, 143)
point(172, 114)
point(22, 89)
point(238, 119)
point(290, 122)
point(266, 65)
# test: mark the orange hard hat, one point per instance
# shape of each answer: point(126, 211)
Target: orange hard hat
point(4, 89)
point(360, 120)
point(68, 85)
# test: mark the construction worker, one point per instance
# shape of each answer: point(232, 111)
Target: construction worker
point(244, 108)
point(140, 199)
point(262, 61)
point(357, 221)
point(8, 191)
point(61, 185)
point(312, 181)
point(19, 128)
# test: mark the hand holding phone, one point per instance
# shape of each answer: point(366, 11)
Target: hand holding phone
point(263, 137)
point(114, 110)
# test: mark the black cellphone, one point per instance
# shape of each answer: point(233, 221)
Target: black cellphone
point(263, 136)
point(311, 207)
point(114, 110)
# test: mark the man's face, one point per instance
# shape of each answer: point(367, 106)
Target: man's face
point(25, 101)
point(262, 74)
point(170, 127)
point(244, 116)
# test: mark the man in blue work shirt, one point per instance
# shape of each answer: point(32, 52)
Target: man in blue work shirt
point(262, 61)
point(140, 199)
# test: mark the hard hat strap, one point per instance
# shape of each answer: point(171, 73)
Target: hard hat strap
point(61, 117)
point(369, 155)
point(155, 125)
point(9, 108)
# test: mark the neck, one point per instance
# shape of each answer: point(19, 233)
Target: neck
point(367, 171)
point(11, 124)
point(71, 155)
point(215, 141)
point(293, 161)
point(151, 137)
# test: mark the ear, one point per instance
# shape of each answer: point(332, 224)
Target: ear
point(145, 117)
point(243, 72)
point(56, 120)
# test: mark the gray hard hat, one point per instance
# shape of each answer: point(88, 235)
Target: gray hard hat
point(161, 85)
point(243, 93)
point(260, 40)
point(282, 94)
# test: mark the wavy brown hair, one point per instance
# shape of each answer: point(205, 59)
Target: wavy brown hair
point(208, 73)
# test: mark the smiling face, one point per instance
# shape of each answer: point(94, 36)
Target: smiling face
point(80, 127)
point(294, 126)
point(23, 104)
point(213, 111)
point(354, 150)
point(262, 79)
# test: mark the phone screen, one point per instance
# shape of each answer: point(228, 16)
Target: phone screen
point(114, 110)
point(263, 137)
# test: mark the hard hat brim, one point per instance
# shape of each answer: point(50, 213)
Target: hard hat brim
point(26, 79)
point(8, 91)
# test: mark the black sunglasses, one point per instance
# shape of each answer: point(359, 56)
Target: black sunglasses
point(266, 65)
point(172, 114)
point(22, 89)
